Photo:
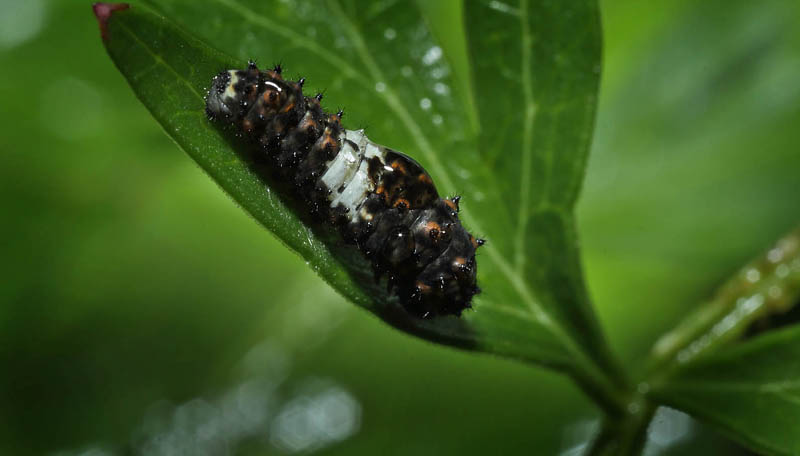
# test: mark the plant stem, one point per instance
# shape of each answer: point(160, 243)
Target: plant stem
point(611, 398)
point(624, 436)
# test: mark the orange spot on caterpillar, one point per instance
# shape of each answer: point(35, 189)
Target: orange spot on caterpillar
point(308, 124)
point(398, 167)
point(288, 107)
point(476, 242)
point(401, 203)
point(433, 230)
point(247, 125)
point(460, 265)
point(422, 287)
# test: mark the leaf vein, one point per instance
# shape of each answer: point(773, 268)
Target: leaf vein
point(297, 39)
point(160, 61)
point(527, 137)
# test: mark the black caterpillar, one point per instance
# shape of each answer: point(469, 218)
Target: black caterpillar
point(379, 199)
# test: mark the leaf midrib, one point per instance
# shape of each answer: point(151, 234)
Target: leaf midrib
point(527, 138)
point(158, 61)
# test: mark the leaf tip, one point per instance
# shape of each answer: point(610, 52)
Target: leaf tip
point(103, 12)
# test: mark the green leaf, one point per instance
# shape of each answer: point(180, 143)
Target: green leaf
point(751, 391)
point(519, 172)
point(536, 69)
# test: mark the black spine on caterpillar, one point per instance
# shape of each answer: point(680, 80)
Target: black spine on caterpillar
point(379, 199)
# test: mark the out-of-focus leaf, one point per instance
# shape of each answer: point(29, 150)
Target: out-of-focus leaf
point(751, 391)
point(382, 63)
point(768, 285)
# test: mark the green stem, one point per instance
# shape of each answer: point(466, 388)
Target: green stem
point(626, 435)
point(610, 397)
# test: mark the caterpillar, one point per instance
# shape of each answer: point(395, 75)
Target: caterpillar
point(380, 200)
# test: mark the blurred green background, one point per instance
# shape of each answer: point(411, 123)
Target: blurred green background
point(141, 312)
